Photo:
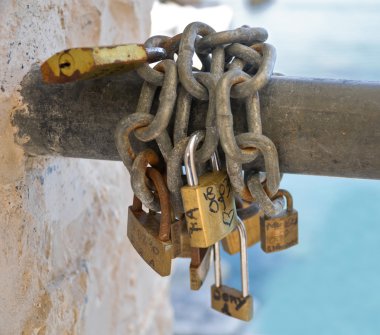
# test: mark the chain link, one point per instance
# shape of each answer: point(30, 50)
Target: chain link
point(245, 54)
point(123, 132)
point(225, 118)
point(167, 98)
point(182, 116)
point(269, 152)
point(244, 35)
point(174, 173)
point(150, 75)
point(263, 75)
point(255, 186)
point(185, 59)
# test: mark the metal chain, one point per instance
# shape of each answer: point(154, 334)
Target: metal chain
point(150, 75)
point(185, 59)
point(263, 75)
point(248, 63)
point(245, 148)
point(244, 35)
point(123, 133)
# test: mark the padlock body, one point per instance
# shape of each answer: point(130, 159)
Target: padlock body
point(280, 232)
point(210, 210)
point(231, 302)
point(231, 243)
point(199, 268)
point(180, 239)
point(142, 232)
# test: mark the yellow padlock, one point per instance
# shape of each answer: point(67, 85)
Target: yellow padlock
point(180, 238)
point(199, 266)
point(209, 203)
point(280, 232)
point(85, 63)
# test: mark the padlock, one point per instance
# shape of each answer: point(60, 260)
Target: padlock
point(180, 238)
point(199, 266)
point(86, 63)
point(209, 203)
point(281, 231)
point(149, 233)
point(227, 300)
point(250, 214)
point(178, 232)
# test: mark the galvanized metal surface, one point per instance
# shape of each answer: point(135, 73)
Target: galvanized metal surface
point(319, 126)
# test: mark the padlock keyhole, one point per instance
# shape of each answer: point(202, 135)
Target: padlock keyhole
point(64, 65)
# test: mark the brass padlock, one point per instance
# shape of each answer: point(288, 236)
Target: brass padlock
point(199, 266)
point(250, 214)
point(180, 239)
point(281, 231)
point(86, 63)
point(149, 233)
point(209, 203)
point(227, 300)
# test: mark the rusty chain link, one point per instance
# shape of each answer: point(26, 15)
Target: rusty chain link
point(185, 59)
point(168, 97)
point(150, 75)
point(235, 64)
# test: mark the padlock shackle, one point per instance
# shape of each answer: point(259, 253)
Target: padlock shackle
point(243, 260)
point(217, 265)
point(215, 162)
point(289, 199)
point(189, 158)
point(216, 166)
point(163, 194)
point(243, 246)
point(243, 257)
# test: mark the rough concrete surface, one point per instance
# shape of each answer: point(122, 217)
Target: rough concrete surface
point(66, 266)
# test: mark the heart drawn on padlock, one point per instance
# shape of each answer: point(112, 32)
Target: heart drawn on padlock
point(228, 217)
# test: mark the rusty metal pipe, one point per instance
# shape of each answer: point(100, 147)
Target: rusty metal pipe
point(319, 126)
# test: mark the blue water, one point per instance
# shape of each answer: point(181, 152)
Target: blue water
point(330, 282)
point(319, 38)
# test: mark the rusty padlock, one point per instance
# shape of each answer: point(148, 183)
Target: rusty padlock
point(199, 266)
point(209, 203)
point(281, 231)
point(180, 238)
point(227, 300)
point(86, 63)
point(178, 233)
point(250, 214)
point(149, 233)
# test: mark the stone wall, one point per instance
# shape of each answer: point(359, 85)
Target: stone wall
point(66, 266)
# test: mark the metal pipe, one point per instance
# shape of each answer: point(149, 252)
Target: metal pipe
point(319, 126)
